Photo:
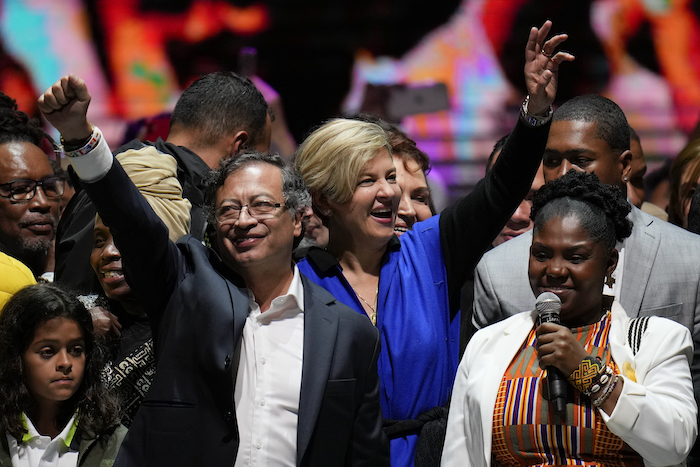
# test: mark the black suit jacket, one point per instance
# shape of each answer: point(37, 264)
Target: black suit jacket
point(197, 307)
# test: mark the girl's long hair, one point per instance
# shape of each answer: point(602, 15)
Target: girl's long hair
point(22, 315)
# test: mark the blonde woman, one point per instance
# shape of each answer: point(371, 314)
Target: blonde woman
point(410, 289)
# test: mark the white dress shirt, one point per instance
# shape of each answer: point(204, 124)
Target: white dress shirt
point(268, 383)
point(36, 450)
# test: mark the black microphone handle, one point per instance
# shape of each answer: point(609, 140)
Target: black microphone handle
point(556, 382)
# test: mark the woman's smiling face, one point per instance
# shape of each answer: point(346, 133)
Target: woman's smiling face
point(371, 212)
point(106, 261)
point(565, 260)
point(415, 195)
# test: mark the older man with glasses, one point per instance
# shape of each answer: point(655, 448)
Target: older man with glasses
point(29, 191)
point(256, 364)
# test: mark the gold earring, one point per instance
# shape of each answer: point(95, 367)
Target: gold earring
point(609, 280)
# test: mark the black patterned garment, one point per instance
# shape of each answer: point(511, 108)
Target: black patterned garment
point(130, 374)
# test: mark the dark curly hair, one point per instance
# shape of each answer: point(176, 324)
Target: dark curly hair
point(21, 317)
point(16, 126)
point(601, 209)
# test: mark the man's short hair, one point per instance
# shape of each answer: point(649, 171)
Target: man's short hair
point(296, 196)
point(610, 120)
point(497, 148)
point(219, 104)
point(634, 136)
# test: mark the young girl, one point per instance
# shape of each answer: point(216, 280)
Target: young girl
point(54, 407)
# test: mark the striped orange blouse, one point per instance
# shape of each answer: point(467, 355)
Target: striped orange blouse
point(526, 433)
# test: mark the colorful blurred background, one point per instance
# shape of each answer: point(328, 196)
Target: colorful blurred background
point(450, 72)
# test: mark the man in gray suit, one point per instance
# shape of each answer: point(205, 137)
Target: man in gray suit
point(659, 269)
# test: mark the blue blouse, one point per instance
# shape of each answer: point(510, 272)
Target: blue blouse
point(420, 346)
point(420, 281)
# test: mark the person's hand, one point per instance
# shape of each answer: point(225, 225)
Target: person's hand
point(65, 105)
point(557, 347)
point(106, 324)
point(542, 67)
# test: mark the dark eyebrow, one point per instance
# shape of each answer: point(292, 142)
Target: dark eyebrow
point(18, 180)
point(46, 341)
point(253, 198)
point(578, 247)
point(55, 341)
point(569, 152)
point(568, 249)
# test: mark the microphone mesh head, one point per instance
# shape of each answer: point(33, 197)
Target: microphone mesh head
point(548, 302)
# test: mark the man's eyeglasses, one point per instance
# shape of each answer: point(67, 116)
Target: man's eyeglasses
point(257, 209)
point(24, 190)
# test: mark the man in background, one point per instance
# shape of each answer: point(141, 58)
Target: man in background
point(216, 117)
point(30, 191)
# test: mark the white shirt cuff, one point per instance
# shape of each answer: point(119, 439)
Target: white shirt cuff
point(95, 164)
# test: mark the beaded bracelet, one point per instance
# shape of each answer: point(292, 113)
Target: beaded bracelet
point(600, 400)
point(94, 140)
point(586, 378)
point(603, 378)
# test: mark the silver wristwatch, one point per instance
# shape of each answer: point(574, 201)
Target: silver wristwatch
point(532, 120)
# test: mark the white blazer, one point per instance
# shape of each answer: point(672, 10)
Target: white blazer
point(656, 415)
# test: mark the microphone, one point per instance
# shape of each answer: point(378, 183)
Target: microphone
point(548, 307)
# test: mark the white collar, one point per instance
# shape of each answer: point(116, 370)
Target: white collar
point(66, 435)
point(293, 300)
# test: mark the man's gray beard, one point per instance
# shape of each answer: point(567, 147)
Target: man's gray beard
point(28, 251)
point(38, 245)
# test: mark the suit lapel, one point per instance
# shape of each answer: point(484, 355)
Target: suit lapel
point(239, 307)
point(506, 342)
point(320, 330)
point(640, 252)
point(237, 292)
point(239, 298)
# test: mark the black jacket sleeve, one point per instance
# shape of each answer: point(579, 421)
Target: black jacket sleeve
point(468, 226)
point(151, 261)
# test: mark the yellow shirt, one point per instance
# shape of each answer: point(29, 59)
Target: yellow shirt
point(14, 275)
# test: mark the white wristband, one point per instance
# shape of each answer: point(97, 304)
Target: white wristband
point(94, 164)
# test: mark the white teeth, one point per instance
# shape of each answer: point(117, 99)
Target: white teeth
point(383, 213)
point(112, 274)
point(401, 229)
